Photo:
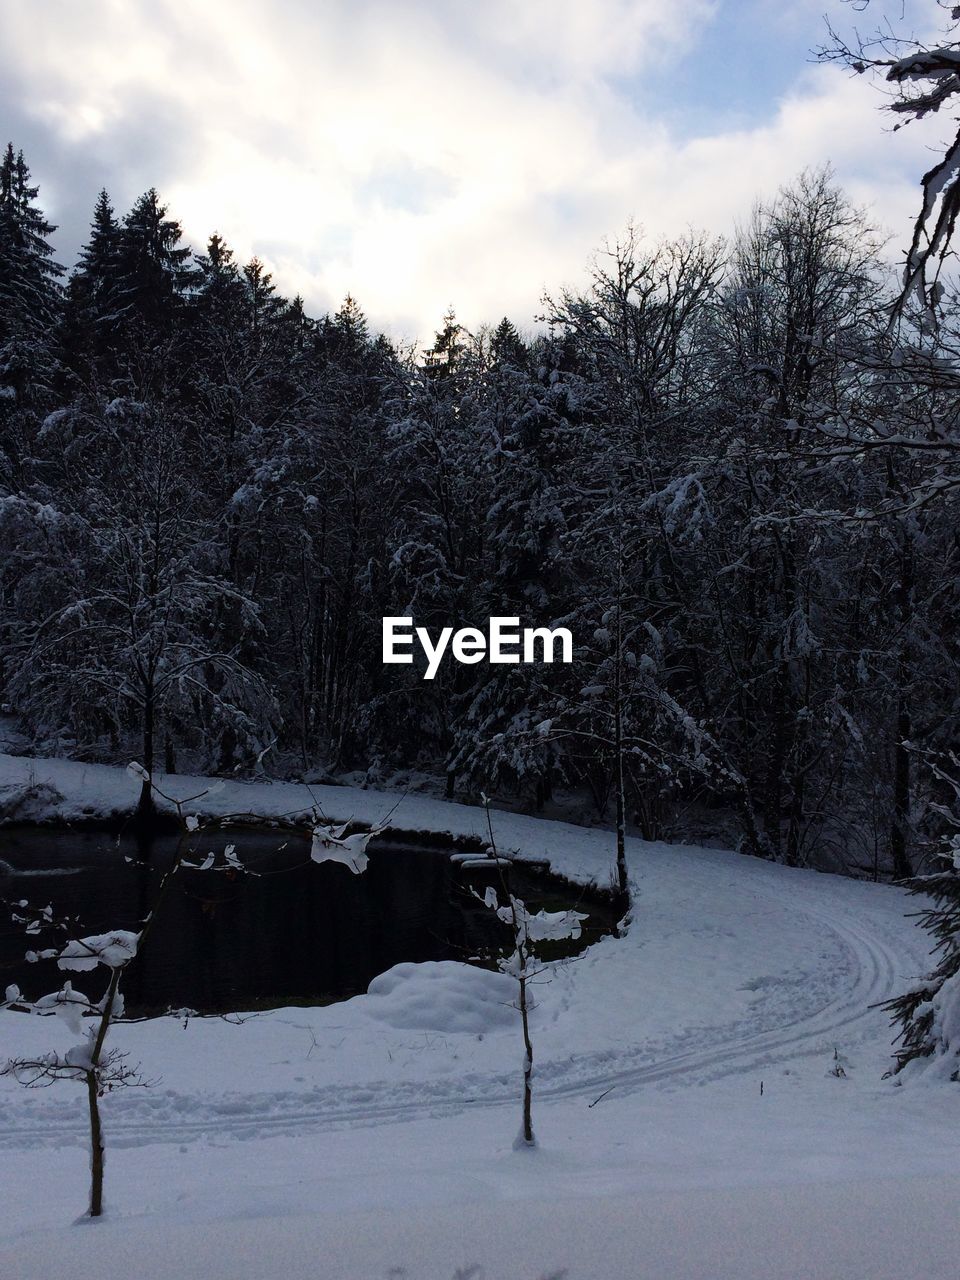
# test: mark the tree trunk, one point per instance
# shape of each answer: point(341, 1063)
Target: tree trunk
point(623, 885)
point(527, 1068)
point(96, 1147)
point(773, 785)
point(146, 807)
point(900, 827)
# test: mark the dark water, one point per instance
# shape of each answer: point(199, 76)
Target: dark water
point(287, 931)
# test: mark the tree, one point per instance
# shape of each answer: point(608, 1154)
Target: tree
point(90, 321)
point(526, 929)
point(929, 1012)
point(924, 78)
point(99, 1067)
point(152, 268)
point(800, 294)
point(29, 292)
point(639, 355)
point(29, 302)
point(133, 630)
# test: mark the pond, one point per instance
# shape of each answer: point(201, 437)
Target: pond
point(283, 931)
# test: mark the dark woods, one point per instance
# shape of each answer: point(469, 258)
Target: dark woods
point(719, 466)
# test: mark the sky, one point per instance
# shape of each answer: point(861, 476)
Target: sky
point(423, 154)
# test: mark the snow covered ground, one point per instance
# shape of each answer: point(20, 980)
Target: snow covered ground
point(691, 1117)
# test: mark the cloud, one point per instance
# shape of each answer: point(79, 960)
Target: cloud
point(413, 153)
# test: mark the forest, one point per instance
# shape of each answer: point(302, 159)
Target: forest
point(729, 468)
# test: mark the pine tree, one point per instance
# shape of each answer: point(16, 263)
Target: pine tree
point(507, 347)
point(29, 292)
point(443, 359)
point(153, 274)
point(929, 1013)
point(90, 312)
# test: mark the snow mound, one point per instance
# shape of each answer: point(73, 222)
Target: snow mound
point(28, 801)
point(442, 995)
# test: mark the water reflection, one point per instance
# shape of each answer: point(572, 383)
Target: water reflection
point(288, 931)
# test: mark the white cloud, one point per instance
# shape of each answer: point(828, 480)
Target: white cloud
point(418, 154)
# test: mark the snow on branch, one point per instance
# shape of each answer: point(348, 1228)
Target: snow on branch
point(332, 844)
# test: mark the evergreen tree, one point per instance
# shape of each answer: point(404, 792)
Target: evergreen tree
point(929, 1013)
point(90, 312)
point(29, 302)
point(506, 345)
point(29, 292)
point(152, 269)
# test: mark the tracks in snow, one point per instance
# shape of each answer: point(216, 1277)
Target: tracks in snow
point(164, 1118)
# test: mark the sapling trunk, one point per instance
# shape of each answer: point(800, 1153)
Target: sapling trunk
point(527, 1066)
point(96, 1145)
point(520, 952)
point(92, 1075)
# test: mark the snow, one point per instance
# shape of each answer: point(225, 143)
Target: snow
point(78, 792)
point(777, 1233)
point(442, 996)
point(330, 844)
point(689, 1117)
point(66, 1004)
point(114, 950)
point(944, 1063)
point(929, 64)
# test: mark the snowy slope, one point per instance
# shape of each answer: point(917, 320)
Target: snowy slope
point(378, 1133)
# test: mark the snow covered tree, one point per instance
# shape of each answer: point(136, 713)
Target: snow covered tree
point(638, 337)
point(141, 624)
point(928, 1013)
point(100, 1066)
point(800, 295)
point(719, 466)
point(925, 77)
point(90, 1061)
point(29, 289)
point(524, 434)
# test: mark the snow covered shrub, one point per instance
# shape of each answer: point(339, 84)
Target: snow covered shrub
point(89, 1061)
point(929, 1012)
point(28, 801)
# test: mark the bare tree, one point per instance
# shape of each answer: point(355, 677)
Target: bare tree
point(922, 77)
point(520, 962)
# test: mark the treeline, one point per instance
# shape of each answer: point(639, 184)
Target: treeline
point(718, 465)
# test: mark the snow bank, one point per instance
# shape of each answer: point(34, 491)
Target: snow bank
point(79, 792)
point(28, 801)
